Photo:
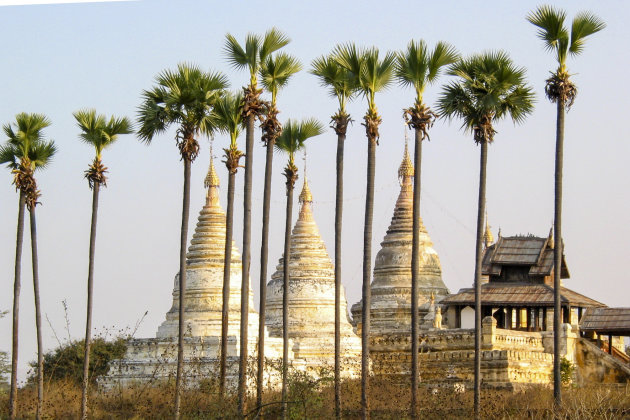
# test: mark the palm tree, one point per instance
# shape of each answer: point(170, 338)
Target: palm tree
point(417, 67)
point(185, 98)
point(561, 90)
point(229, 120)
point(256, 51)
point(274, 75)
point(290, 141)
point(370, 74)
point(489, 88)
point(337, 80)
point(25, 151)
point(99, 133)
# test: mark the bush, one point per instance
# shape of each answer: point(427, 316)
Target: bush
point(566, 371)
point(66, 361)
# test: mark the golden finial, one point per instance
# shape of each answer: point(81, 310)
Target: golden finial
point(305, 195)
point(432, 298)
point(488, 239)
point(212, 179)
point(406, 166)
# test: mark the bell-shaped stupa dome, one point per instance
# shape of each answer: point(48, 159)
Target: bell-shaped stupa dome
point(204, 276)
point(311, 294)
point(391, 286)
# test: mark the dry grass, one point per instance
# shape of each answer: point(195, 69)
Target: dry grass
point(312, 400)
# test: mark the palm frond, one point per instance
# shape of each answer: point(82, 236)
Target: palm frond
point(350, 58)
point(489, 88)
point(276, 71)
point(443, 55)
point(41, 154)
point(97, 131)
point(184, 97)
point(272, 41)
point(9, 154)
point(235, 54)
point(550, 23)
point(227, 114)
point(583, 25)
point(334, 77)
point(295, 133)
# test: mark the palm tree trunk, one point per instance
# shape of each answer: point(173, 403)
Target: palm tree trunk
point(38, 317)
point(338, 225)
point(264, 253)
point(481, 210)
point(90, 289)
point(367, 271)
point(557, 254)
point(182, 286)
point(227, 274)
point(247, 218)
point(16, 306)
point(285, 298)
point(415, 268)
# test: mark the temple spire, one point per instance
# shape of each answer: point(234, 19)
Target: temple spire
point(406, 170)
point(488, 239)
point(212, 182)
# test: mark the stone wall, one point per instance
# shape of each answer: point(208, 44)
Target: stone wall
point(596, 366)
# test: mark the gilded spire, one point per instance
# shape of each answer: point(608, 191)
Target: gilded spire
point(488, 239)
point(405, 171)
point(212, 182)
point(305, 195)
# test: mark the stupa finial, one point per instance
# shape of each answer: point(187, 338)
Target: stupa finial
point(305, 195)
point(212, 180)
point(488, 239)
point(405, 170)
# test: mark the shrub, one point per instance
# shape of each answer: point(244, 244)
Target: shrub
point(66, 361)
point(566, 371)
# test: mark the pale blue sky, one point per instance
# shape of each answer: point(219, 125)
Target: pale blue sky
point(59, 58)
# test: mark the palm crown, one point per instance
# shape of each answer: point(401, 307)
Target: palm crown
point(227, 115)
point(556, 37)
point(275, 72)
point(489, 88)
point(257, 50)
point(26, 145)
point(417, 67)
point(98, 132)
point(336, 78)
point(368, 73)
point(295, 133)
point(184, 97)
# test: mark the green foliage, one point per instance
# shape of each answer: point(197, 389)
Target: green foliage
point(276, 71)
point(257, 50)
point(566, 371)
point(183, 97)
point(227, 115)
point(295, 133)
point(489, 88)
point(555, 35)
point(97, 131)
point(417, 66)
point(66, 361)
point(26, 142)
point(334, 77)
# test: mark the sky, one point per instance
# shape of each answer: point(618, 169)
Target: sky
point(60, 58)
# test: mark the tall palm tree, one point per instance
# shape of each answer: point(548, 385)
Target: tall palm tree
point(25, 151)
point(184, 98)
point(229, 120)
point(99, 133)
point(337, 79)
point(274, 74)
point(418, 67)
point(489, 87)
point(256, 51)
point(370, 74)
point(561, 91)
point(290, 141)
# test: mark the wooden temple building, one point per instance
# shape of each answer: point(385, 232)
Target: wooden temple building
point(517, 287)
